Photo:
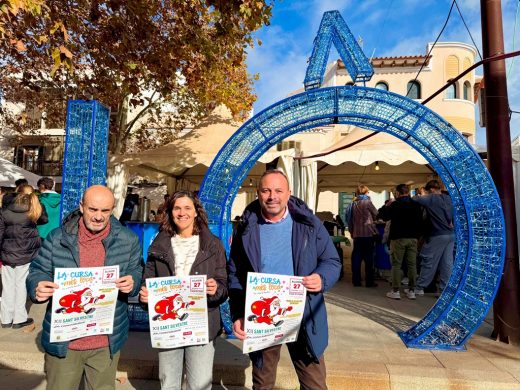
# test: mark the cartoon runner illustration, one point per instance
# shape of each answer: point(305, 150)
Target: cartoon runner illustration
point(79, 302)
point(171, 308)
point(268, 311)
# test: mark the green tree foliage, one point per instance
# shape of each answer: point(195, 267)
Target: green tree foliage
point(159, 64)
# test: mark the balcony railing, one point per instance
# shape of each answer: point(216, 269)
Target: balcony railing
point(43, 168)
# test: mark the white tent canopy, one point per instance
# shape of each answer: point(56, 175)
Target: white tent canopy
point(342, 170)
point(380, 147)
point(188, 157)
point(183, 163)
point(10, 172)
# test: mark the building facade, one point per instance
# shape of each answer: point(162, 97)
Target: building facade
point(417, 77)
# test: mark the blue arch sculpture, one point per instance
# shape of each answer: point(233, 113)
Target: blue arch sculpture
point(479, 222)
point(334, 30)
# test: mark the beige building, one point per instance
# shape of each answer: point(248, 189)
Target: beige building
point(401, 75)
point(446, 61)
point(398, 74)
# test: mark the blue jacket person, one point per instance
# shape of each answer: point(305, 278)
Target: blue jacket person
point(279, 234)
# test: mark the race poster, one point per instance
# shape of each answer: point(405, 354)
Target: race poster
point(178, 311)
point(274, 310)
point(84, 303)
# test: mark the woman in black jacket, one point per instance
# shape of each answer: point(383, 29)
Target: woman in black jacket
point(185, 246)
point(19, 243)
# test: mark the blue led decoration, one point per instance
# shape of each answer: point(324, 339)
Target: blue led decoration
point(333, 29)
point(478, 217)
point(86, 150)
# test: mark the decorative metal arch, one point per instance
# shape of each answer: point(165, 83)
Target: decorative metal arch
point(334, 30)
point(479, 223)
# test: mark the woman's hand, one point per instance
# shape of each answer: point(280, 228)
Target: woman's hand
point(211, 287)
point(143, 294)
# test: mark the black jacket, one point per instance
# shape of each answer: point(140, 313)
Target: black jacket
point(406, 216)
point(19, 238)
point(210, 261)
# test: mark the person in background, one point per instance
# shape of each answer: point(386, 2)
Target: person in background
point(363, 230)
point(19, 243)
point(20, 181)
point(439, 238)
point(89, 237)
point(341, 225)
point(185, 246)
point(279, 234)
point(405, 216)
point(52, 202)
point(131, 201)
point(161, 210)
point(9, 197)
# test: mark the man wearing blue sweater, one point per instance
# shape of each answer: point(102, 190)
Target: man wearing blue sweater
point(279, 234)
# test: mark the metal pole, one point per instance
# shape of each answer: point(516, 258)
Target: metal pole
point(506, 308)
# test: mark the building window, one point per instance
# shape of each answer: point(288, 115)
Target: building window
point(29, 158)
point(286, 145)
point(382, 85)
point(413, 90)
point(467, 90)
point(451, 92)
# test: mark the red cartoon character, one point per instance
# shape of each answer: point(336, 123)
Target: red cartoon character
point(171, 308)
point(79, 302)
point(268, 311)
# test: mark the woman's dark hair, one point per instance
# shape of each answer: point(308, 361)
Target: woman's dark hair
point(201, 220)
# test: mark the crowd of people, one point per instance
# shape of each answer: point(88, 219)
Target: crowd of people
point(419, 233)
point(267, 238)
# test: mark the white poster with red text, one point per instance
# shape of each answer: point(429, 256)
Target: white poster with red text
point(84, 303)
point(274, 310)
point(178, 311)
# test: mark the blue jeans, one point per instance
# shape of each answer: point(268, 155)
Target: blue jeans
point(363, 251)
point(437, 252)
point(198, 361)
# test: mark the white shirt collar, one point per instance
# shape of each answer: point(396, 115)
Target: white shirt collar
point(285, 215)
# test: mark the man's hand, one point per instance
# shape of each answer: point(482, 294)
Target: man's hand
point(312, 283)
point(238, 329)
point(143, 295)
point(45, 290)
point(125, 284)
point(211, 287)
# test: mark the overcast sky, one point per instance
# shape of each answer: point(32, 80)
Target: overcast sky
point(386, 27)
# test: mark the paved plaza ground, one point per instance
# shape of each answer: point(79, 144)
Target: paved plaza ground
point(364, 352)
